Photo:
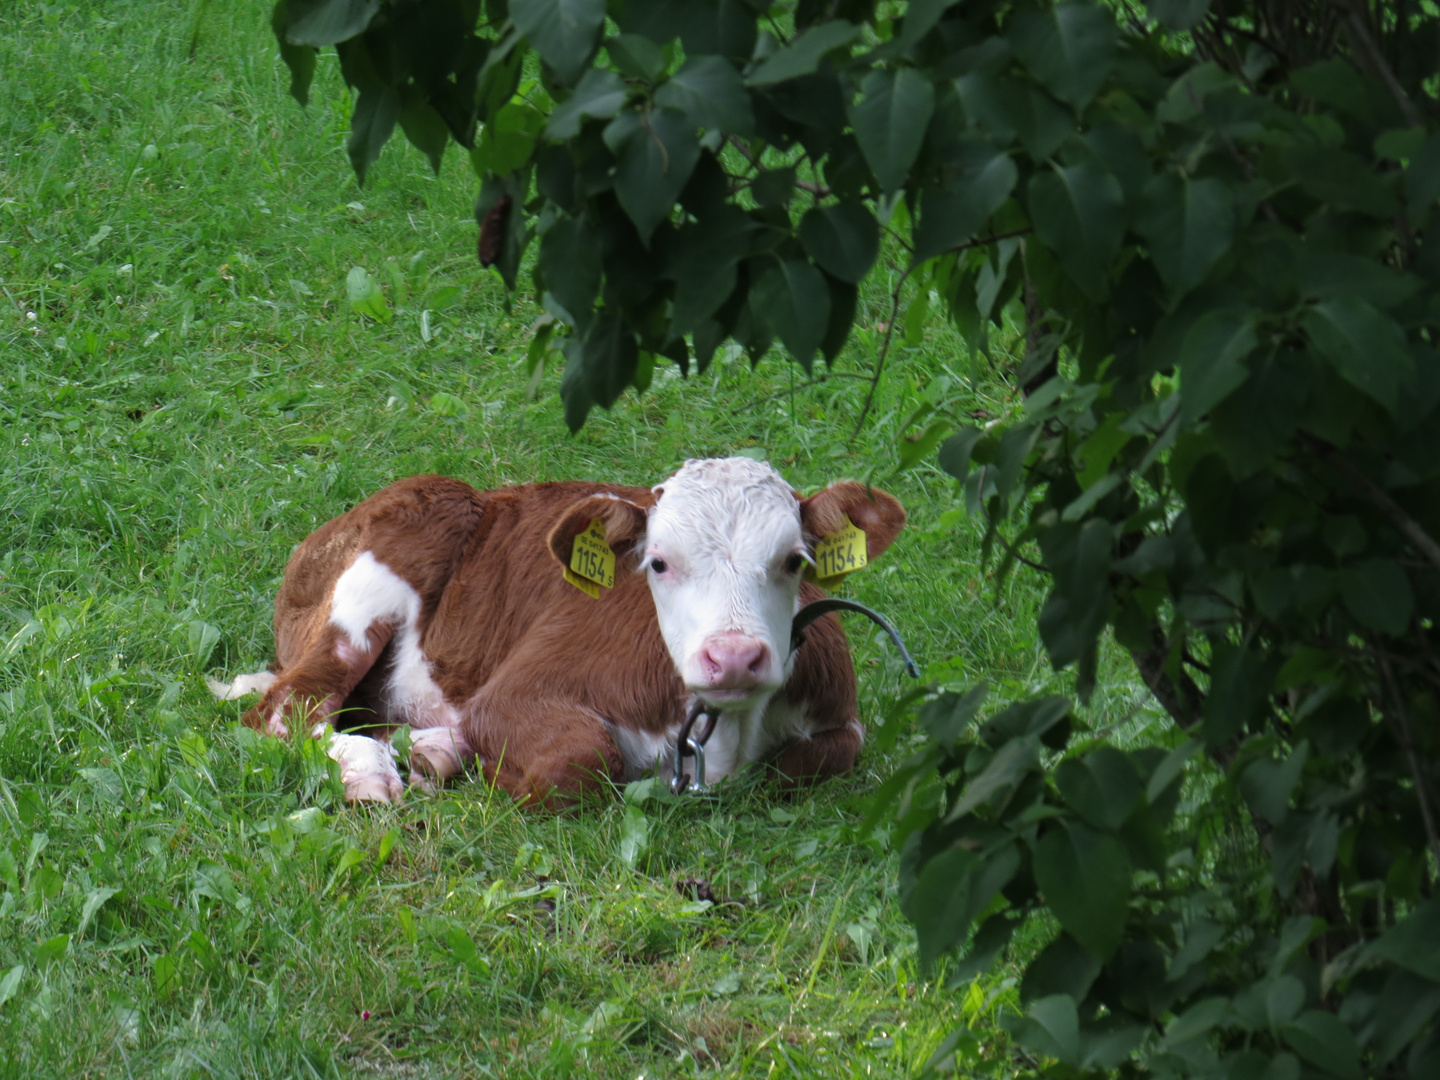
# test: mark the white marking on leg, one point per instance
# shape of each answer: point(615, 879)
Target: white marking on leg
point(369, 592)
point(242, 685)
point(367, 767)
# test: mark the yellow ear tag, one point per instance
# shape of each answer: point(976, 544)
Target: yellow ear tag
point(592, 563)
point(838, 554)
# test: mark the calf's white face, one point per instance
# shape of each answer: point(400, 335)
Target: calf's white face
point(723, 551)
point(723, 546)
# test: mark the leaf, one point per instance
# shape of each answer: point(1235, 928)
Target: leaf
point(1179, 14)
point(324, 22)
point(371, 124)
point(1057, 1024)
point(802, 56)
point(1189, 225)
point(300, 59)
point(387, 844)
point(1103, 787)
point(610, 358)
point(94, 900)
point(634, 835)
point(51, 951)
point(701, 260)
point(425, 128)
point(947, 717)
point(954, 456)
point(1414, 943)
point(1068, 47)
point(1212, 360)
point(844, 238)
point(637, 56)
point(710, 92)
point(600, 94)
point(1323, 1039)
point(563, 32)
point(1079, 212)
point(890, 121)
point(1378, 593)
point(791, 295)
point(570, 266)
point(11, 983)
point(506, 143)
point(1085, 877)
point(951, 214)
point(951, 889)
point(1013, 760)
point(1363, 345)
point(656, 152)
point(365, 296)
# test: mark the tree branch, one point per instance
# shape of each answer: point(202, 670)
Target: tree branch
point(884, 350)
point(1374, 59)
point(1377, 495)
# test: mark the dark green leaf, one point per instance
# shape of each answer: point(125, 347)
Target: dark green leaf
point(424, 127)
point(791, 295)
point(955, 452)
point(1012, 761)
point(600, 94)
point(1085, 876)
point(506, 143)
point(1062, 967)
point(1212, 360)
point(702, 262)
point(1079, 211)
point(611, 356)
point(1267, 784)
point(843, 298)
point(802, 56)
point(563, 32)
point(709, 91)
point(950, 215)
point(656, 152)
point(1053, 1029)
point(324, 22)
point(1102, 787)
point(1322, 1039)
point(300, 59)
point(946, 718)
point(1069, 47)
point(1240, 682)
point(1189, 226)
point(1008, 106)
point(1378, 593)
point(1364, 346)
point(1414, 944)
point(890, 121)
point(376, 110)
point(991, 936)
point(637, 56)
point(844, 238)
point(570, 263)
point(951, 890)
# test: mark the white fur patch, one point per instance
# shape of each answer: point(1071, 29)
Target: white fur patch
point(242, 685)
point(369, 592)
point(367, 766)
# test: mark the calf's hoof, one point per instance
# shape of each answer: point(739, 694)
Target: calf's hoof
point(367, 768)
point(435, 756)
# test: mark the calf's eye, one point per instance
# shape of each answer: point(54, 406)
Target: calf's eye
point(794, 563)
point(658, 565)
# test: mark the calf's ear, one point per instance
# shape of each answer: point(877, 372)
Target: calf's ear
point(877, 513)
point(624, 524)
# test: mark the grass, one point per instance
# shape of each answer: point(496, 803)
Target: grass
point(184, 395)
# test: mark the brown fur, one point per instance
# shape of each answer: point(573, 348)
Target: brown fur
point(530, 662)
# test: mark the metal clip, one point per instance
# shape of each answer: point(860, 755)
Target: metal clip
point(685, 744)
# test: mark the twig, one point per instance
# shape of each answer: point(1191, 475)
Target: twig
point(820, 191)
point(884, 350)
point(1422, 794)
point(1375, 59)
point(1388, 506)
point(791, 389)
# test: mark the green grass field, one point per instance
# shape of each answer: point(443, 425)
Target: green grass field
point(185, 394)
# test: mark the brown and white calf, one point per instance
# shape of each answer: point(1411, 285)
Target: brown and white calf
point(445, 608)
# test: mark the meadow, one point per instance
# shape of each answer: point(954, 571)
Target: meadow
point(185, 393)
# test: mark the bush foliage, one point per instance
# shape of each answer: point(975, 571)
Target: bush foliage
point(1213, 221)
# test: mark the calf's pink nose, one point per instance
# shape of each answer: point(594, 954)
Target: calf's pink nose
point(733, 661)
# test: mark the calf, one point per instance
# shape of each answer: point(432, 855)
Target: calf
point(449, 609)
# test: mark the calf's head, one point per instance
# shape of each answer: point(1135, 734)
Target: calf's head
point(724, 543)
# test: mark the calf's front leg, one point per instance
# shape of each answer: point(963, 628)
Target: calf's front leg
point(822, 754)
